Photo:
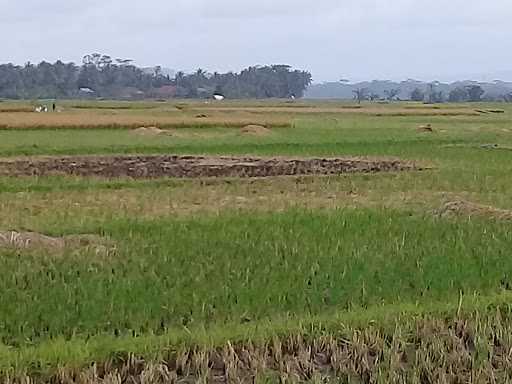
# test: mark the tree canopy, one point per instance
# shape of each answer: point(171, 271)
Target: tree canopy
point(101, 76)
point(468, 93)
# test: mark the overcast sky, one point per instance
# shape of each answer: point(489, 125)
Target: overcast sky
point(334, 39)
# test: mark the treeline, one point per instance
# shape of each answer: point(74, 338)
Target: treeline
point(459, 94)
point(102, 76)
point(433, 92)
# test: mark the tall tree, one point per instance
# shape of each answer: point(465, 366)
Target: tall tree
point(458, 95)
point(475, 92)
point(360, 94)
point(116, 78)
point(392, 94)
point(417, 95)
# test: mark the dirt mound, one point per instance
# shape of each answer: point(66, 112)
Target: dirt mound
point(255, 130)
point(196, 166)
point(151, 131)
point(425, 128)
point(152, 166)
point(34, 240)
point(466, 208)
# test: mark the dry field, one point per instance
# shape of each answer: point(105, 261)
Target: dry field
point(193, 114)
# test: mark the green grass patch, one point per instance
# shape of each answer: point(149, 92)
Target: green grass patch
point(210, 270)
point(77, 353)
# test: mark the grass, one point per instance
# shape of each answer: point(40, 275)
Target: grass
point(226, 268)
point(209, 262)
point(352, 135)
point(390, 320)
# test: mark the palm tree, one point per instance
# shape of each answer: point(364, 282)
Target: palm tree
point(360, 94)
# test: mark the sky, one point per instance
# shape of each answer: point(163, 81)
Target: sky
point(333, 39)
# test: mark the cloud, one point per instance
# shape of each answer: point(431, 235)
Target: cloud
point(285, 9)
point(39, 12)
point(332, 38)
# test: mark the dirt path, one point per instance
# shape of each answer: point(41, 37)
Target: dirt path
point(195, 166)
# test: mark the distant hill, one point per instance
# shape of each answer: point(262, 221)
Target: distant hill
point(484, 77)
point(495, 90)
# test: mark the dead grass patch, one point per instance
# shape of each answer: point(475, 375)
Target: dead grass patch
point(152, 131)
point(126, 120)
point(255, 130)
point(38, 241)
point(470, 209)
point(214, 196)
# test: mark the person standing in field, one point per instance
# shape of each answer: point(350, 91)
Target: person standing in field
point(54, 107)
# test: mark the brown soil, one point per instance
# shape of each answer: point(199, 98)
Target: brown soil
point(34, 240)
point(255, 130)
point(466, 208)
point(195, 166)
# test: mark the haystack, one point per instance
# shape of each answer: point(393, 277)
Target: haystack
point(151, 131)
point(255, 130)
point(426, 128)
